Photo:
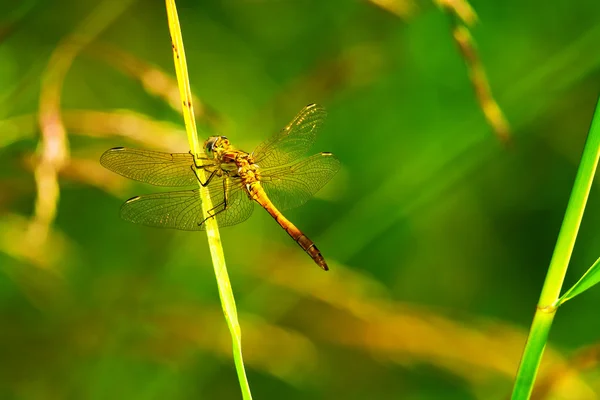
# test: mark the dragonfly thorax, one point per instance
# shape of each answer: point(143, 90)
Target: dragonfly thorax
point(247, 170)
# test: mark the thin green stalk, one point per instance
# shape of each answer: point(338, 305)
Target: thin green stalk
point(548, 302)
point(212, 229)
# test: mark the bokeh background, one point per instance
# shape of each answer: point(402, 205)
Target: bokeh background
point(438, 229)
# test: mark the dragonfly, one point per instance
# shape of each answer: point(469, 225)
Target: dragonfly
point(275, 175)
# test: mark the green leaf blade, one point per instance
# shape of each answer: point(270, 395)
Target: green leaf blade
point(589, 279)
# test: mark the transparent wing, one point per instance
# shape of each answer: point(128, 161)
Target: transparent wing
point(183, 210)
point(293, 141)
point(239, 206)
point(153, 167)
point(292, 185)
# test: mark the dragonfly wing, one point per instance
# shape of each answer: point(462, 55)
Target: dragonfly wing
point(237, 207)
point(292, 185)
point(177, 210)
point(153, 167)
point(293, 141)
point(183, 210)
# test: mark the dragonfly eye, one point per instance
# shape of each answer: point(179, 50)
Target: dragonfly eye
point(213, 144)
point(209, 146)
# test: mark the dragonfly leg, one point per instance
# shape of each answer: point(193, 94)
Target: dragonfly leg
point(195, 170)
point(223, 204)
point(195, 158)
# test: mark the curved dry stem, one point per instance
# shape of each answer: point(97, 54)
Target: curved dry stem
point(462, 13)
point(401, 8)
point(154, 80)
point(54, 146)
point(49, 255)
point(363, 316)
point(460, 158)
point(126, 124)
point(461, 8)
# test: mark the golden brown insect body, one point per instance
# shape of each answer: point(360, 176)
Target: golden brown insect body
point(257, 193)
point(275, 175)
point(249, 174)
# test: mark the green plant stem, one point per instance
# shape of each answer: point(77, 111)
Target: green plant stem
point(532, 354)
point(548, 302)
point(212, 229)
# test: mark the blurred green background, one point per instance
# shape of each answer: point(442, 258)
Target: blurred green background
point(438, 235)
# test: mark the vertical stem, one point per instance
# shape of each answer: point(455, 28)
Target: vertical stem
point(532, 354)
point(212, 229)
point(546, 309)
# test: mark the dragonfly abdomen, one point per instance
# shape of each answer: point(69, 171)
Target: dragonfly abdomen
point(258, 194)
point(312, 250)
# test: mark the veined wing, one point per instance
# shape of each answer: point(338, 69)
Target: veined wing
point(183, 210)
point(292, 185)
point(153, 167)
point(293, 141)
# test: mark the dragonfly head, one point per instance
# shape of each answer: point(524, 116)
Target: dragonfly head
point(216, 144)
